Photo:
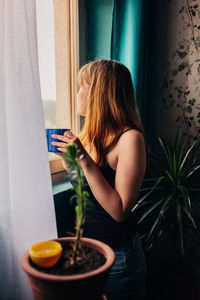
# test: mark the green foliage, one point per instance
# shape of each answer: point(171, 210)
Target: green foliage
point(171, 191)
point(81, 195)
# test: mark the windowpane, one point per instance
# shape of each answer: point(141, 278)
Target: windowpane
point(46, 56)
point(58, 53)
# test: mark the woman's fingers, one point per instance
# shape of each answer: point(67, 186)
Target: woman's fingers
point(58, 144)
point(67, 139)
point(58, 137)
point(70, 136)
point(62, 150)
point(68, 132)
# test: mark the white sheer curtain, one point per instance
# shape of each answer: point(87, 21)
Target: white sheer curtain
point(26, 201)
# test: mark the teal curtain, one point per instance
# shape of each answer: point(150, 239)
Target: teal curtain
point(99, 26)
point(131, 44)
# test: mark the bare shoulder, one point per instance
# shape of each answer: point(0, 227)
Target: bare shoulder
point(131, 152)
point(130, 144)
point(131, 138)
point(131, 148)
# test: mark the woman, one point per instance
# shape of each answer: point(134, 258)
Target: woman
point(114, 162)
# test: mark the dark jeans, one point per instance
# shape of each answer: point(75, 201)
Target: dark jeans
point(127, 279)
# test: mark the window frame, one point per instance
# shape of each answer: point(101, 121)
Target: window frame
point(66, 27)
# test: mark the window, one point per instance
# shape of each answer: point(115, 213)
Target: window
point(45, 35)
point(57, 26)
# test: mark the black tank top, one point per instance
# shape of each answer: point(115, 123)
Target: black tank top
point(100, 225)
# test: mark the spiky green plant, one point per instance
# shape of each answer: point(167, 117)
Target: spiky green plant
point(81, 195)
point(170, 191)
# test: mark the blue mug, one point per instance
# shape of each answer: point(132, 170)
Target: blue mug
point(49, 132)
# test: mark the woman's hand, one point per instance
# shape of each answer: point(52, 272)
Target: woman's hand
point(67, 139)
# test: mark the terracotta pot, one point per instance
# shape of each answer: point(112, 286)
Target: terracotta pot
point(88, 286)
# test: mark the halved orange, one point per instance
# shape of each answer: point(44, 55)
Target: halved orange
point(46, 253)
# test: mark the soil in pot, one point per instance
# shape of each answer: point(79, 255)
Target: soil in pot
point(89, 285)
point(88, 260)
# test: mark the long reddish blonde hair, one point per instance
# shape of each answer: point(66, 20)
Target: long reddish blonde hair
point(111, 106)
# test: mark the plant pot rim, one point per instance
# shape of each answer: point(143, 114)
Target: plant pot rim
point(100, 246)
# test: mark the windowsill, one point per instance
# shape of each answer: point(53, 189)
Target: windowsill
point(56, 165)
point(61, 186)
point(60, 182)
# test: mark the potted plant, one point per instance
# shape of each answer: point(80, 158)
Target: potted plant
point(68, 279)
point(168, 216)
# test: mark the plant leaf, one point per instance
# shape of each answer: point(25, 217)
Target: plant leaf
point(165, 150)
point(149, 210)
point(158, 220)
point(180, 225)
point(152, 189)
point(190, 217)
point(170, 176)
point(192, 171)
point(195, 189)
point(186, 155)
point(175, 164)
point(74, 197)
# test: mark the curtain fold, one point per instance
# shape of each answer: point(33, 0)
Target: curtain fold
point(131, 44)
point(26, 201)
point(126, 45)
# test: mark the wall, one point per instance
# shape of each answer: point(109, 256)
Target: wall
point(178, 67)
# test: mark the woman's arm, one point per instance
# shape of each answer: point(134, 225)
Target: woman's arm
point(131, 163)
point(130, 169)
